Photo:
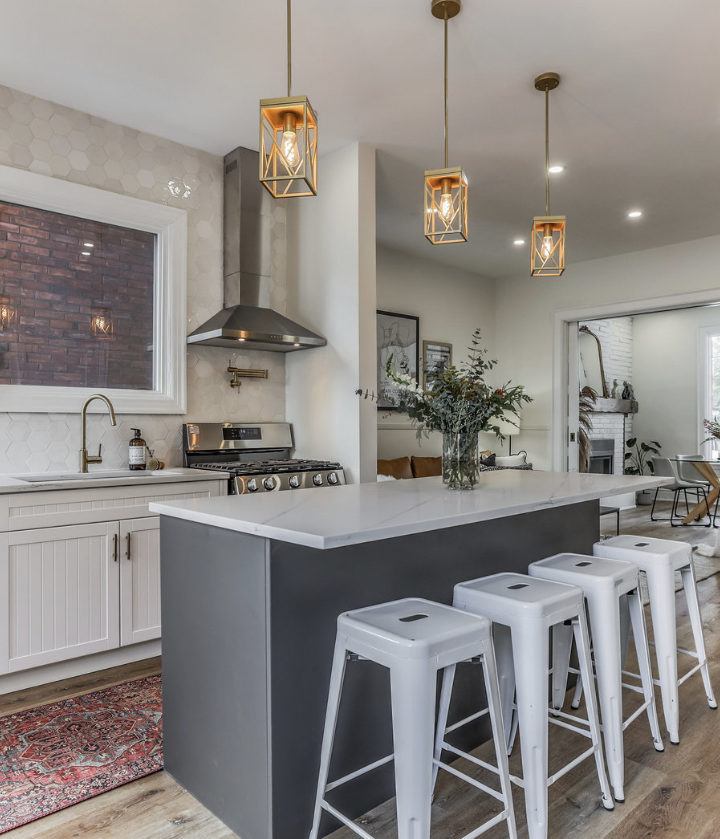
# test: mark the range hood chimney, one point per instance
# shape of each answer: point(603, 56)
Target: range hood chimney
point(247, 270)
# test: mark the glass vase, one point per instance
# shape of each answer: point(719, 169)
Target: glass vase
point(460, 461)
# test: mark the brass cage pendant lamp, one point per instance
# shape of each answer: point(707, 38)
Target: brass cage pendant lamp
point(547, 240)
point(288, 139)
point(446, 189)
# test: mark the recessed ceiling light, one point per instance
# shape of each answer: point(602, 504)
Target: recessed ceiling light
point(85, 253)
point(518, 242)
point(556, 169)
point(635, 214)
point(88, 245)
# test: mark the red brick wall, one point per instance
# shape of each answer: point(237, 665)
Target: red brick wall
point(55, 292)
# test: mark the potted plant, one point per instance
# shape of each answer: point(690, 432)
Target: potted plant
point(460, 404)
point(638, 461)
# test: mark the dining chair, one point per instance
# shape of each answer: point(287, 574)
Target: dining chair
point(663, 467)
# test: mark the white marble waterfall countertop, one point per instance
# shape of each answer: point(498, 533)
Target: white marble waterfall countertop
point(334, 516)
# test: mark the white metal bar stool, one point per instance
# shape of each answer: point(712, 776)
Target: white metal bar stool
point(414, 639)
point(530, 607)
point(659, 559)
point(604, 583)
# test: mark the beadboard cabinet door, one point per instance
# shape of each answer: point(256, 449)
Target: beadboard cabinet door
point(62, 594)
point(139, 580)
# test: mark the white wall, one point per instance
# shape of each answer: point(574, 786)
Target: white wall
point(526, 308)
point(450, 304)
point(331, 273)
point(666, 365)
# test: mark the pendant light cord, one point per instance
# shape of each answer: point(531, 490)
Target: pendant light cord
point(547, 152)
point(445, 87)
point(289, 48)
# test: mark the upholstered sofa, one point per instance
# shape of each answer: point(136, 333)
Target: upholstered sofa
point(403, 468)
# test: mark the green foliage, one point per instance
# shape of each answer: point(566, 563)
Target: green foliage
point(459, 400)
point(639, 456)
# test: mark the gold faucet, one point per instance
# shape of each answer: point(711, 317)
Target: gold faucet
point(86, 458)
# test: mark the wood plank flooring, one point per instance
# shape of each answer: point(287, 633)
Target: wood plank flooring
point(673, 795)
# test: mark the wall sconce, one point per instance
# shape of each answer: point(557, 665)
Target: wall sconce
point(101, 325)
point(7, 315)
point(237, 373)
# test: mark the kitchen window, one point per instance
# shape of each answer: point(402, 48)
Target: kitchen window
point(92, 297)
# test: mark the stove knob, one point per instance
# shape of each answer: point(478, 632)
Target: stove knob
point(270, 483)
point(318, 480)
point(252, 485)
point(294, 481)
point(333, 479)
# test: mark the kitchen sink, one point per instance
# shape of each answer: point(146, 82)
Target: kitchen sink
point(54, 477)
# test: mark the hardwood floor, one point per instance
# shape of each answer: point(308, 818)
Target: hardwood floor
point(673, 795)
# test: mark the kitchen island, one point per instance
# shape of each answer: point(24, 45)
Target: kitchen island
point(252, 587)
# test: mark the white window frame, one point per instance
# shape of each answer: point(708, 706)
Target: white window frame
point(168, 395)
point(704, 391)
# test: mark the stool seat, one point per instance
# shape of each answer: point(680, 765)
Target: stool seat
point(507, 597)
point(645, 552)
point(588, 571)
point(412, 628)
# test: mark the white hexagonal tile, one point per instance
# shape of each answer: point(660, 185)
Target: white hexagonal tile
point(60, 145)
point(40, 149)
point(20, 112)
point(20, 155)
point(59, 165)
point(42, 108)
point(78, 160)
point(60, 124)
point(79, 140)
point(19, 430)
point(41, 128)
point(42, 167)
point(97, 155)
point(96, 175)
point(130, 182)
point(20, 134)
point(146, 178)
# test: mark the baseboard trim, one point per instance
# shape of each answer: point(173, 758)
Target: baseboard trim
point(78, 666)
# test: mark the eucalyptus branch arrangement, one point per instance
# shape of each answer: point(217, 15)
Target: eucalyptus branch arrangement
point(459, 400)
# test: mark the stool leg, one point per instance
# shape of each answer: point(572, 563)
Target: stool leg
point(502, 641)
point(337, 677)
point(413, 685)
point(604, 612)
point(445, 696)
point(690, 586)
point(637, 616)
point(661, 587)
point(562, 635)
point(492, 692)
point(582, 643)
point(531, 654)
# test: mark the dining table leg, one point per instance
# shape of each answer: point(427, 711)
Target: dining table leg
point(703, 508)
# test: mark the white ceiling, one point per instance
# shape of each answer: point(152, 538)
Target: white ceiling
point(636, 119)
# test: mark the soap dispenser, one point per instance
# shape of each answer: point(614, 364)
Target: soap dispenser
point(136, 451)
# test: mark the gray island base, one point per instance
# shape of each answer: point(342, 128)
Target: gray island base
point(249, 628)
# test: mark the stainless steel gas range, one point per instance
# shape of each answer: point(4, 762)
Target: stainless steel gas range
point(256, 457)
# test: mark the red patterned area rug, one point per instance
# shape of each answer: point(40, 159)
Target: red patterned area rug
point(57, 755)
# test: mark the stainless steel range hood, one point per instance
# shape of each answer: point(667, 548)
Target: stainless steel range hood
point(247, 270)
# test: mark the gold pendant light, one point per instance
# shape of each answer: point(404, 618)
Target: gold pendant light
point(288, 139)
point(446, 190)
point(547, 240)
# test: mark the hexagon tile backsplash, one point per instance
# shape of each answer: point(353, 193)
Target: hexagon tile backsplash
point(48, 138)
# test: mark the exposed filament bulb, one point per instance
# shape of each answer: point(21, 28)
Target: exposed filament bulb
point(289, 143)
point(546, 247)
point(446, 201)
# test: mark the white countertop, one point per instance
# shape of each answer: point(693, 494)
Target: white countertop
point(38, 482)
point(334, 516)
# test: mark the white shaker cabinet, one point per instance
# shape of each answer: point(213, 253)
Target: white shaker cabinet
point(63, 588)
point(80, 576)
point(139, 580)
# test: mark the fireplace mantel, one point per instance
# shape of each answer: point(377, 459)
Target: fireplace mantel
point(614, 406)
